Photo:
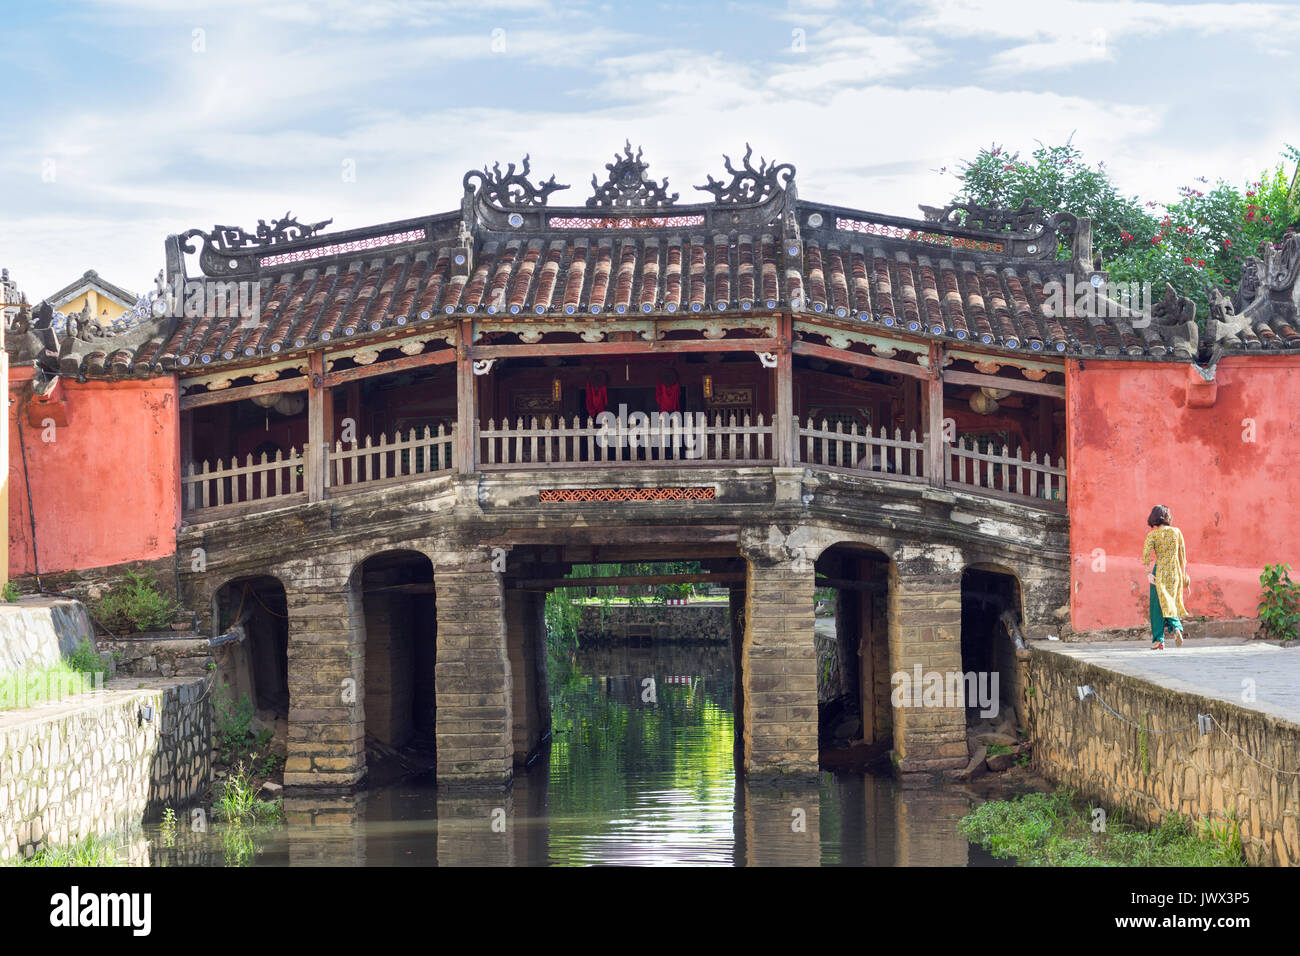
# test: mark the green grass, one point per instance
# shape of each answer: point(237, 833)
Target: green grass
point(1041, 829)
point(73, 674)
point(238, 803)
point(91, 851)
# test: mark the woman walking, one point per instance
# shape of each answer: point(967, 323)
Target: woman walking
point(1168, 577)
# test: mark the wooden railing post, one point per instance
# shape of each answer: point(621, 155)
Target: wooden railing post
point(935, 462)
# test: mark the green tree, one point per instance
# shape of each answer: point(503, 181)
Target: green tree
point(1198, 241)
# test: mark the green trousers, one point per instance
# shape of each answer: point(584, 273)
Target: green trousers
point(1158, 620)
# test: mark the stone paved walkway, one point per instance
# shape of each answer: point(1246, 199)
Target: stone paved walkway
point(1209, 667)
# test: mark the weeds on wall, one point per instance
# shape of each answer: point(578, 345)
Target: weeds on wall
point(235, 742)
point(135, 604)
point(91, 851)
point(74, 673)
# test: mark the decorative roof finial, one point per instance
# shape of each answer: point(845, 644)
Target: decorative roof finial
point(749, 186)
point(628, 184)
point(511, 188)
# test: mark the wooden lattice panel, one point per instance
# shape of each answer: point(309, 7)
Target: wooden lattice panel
point(627, 494)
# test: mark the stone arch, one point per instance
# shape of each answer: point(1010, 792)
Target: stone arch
point(992, 613)
point(851, 628)
point(393, 592)
point(249, 617)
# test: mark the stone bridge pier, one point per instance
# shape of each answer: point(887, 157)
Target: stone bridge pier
point(778, 664)
point(475, 723)
point(925, 638)
point(326, 666)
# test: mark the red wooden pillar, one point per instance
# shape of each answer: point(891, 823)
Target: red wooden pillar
point(935, 457)
point(466, 412)
point(784, 430)
point(315, 457)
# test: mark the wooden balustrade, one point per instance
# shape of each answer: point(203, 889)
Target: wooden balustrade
point(371, 463)
point(649, 440)
point(679, 439)
point(219, 485)
point(1006, 474)
point(857, 450)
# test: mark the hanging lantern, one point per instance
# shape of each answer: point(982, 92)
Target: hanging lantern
point(290, 403)
point(266, 401)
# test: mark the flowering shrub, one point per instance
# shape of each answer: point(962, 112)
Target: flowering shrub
point(1197, 241)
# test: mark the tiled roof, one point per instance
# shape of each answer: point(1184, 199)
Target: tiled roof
point(1263, 314)
point(757, 247)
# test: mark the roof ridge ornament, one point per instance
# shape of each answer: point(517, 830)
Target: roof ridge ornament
point(510, 189)
point(226, 239)
point(1024, 221)
point(749, 186)
point(629, 185)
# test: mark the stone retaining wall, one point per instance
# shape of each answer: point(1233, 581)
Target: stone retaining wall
point(91, 765)
point(660, 622)
point(1081, 745)
point(158, 656)
point(36, 631)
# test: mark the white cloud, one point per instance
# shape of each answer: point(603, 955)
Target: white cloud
point(264, 120)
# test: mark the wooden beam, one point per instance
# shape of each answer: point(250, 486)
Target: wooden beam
point(846, 584)
point(1008, 384)
point(662, 346)
point(622, 580)
point(859, 358)
point(621, 554)
point(667, 539)
point(243, 392)
point(438, 357)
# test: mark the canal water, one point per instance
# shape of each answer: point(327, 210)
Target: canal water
point(642, 770)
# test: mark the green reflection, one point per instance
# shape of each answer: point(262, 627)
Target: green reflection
point(645, 755)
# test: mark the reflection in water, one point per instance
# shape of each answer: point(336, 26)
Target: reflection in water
point(641, 770)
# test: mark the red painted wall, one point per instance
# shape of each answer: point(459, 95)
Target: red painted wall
point(1134, 443)
point(106, 489)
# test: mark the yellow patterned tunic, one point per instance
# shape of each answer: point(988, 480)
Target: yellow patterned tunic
point(1166, 545)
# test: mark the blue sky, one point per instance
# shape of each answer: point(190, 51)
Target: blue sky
point(128, 120)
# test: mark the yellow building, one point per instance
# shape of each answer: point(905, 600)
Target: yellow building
point(107, 301)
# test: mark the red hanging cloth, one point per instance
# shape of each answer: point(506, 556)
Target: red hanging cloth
point(597, 399)
point(669, 397)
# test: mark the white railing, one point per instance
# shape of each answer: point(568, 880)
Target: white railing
point(681, 439)
point(373, 463)
point(657, 439)
point(856, 450)
point(219, 485)
point(1007, 473)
